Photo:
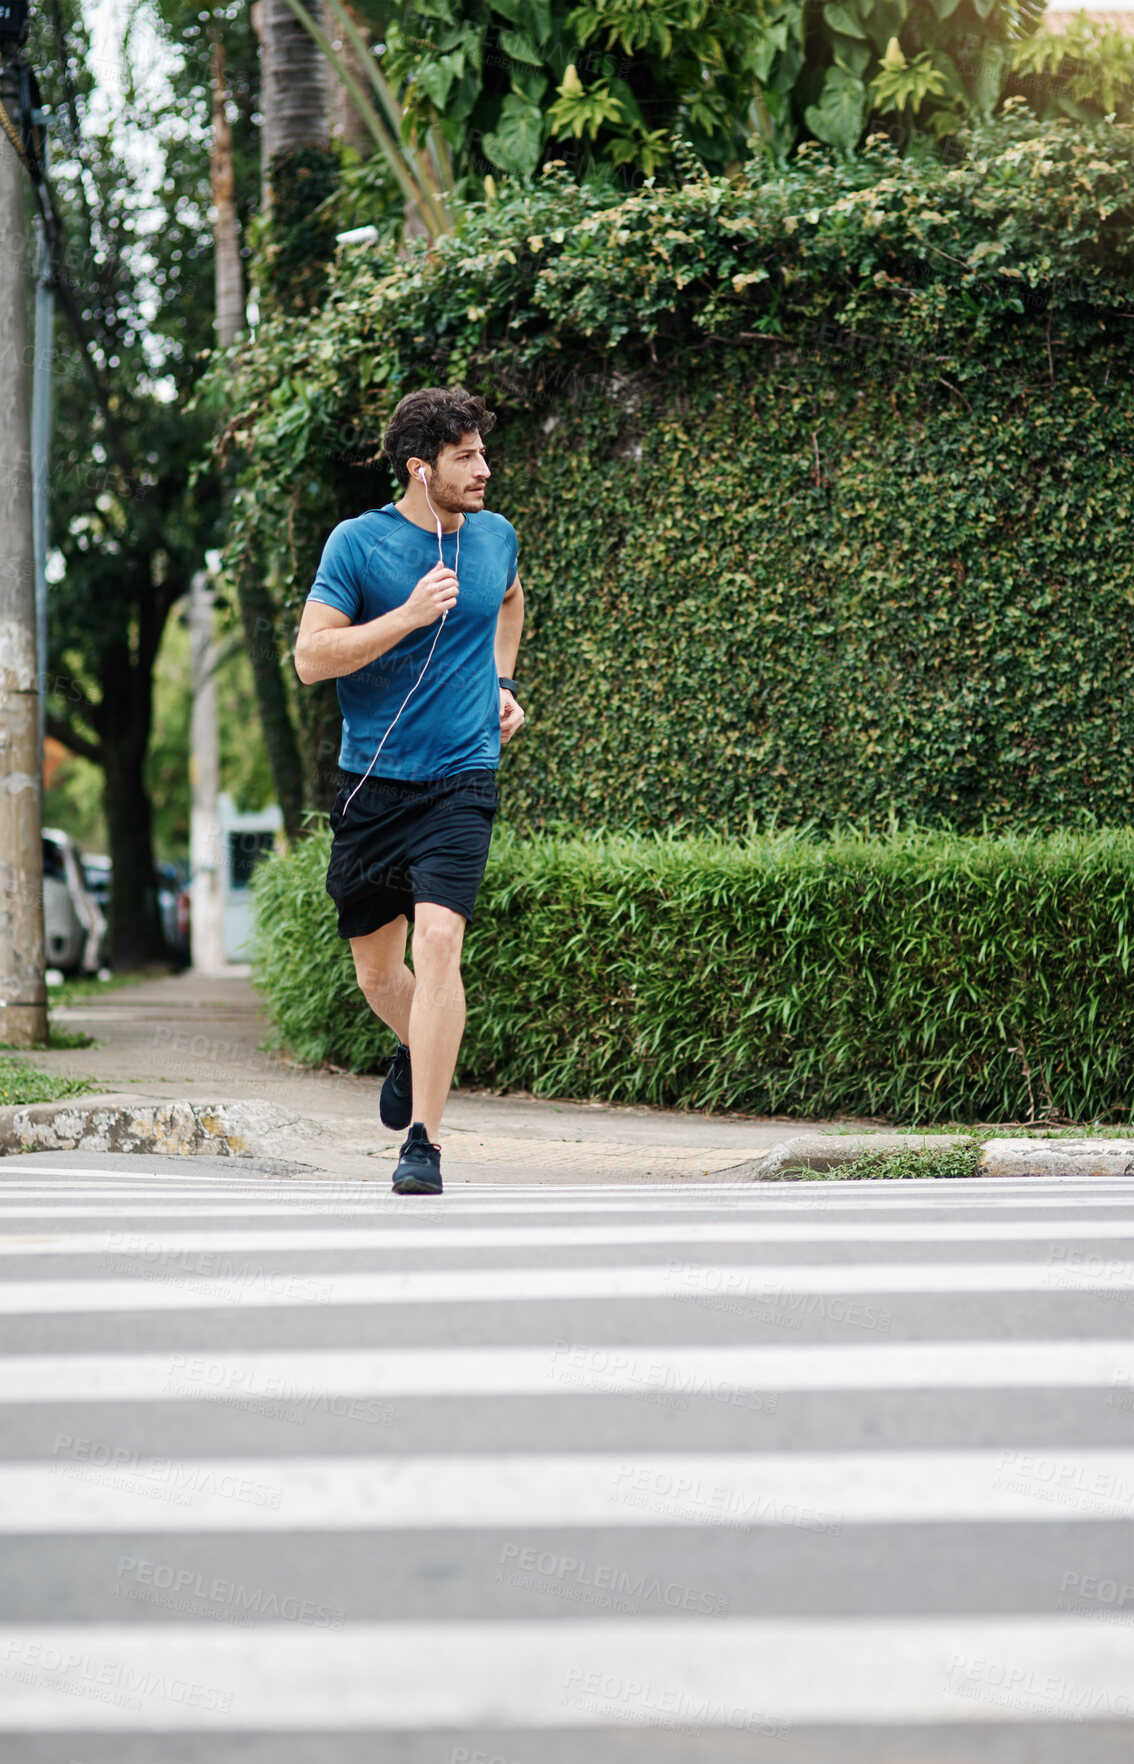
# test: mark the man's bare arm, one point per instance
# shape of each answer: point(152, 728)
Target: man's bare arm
point(329, 646)
point(509, 627)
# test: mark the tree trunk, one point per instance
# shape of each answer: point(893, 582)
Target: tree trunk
point(226, 233)
point(135, 921)
point(122, 720)
point(293, 81)
point(261, 634)
point(345, 120)
point(267, 102)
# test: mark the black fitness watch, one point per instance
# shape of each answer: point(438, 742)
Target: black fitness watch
point(509, 686)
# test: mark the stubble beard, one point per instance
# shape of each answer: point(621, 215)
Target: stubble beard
point(448, 497)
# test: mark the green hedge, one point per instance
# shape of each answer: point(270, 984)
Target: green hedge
point(923, 976)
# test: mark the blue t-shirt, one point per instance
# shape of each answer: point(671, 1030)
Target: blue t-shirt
point(370, 565)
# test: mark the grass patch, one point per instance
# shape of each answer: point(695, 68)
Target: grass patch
point(912, 1163)
point(87, 986)
point(68, 1038)
point(58, 1039)
point(22, 1083)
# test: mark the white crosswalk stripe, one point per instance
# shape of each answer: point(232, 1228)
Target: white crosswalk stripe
point(561, 1368)
point(158, 1246)
point(683, 1282)
point(759, 1677)
point(545, 1475)
point(819, 1492)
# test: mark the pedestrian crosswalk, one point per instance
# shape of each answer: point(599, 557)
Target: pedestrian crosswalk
point(827, 1473)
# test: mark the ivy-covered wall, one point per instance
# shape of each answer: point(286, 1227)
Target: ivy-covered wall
point(823, 477)
point(794, 590)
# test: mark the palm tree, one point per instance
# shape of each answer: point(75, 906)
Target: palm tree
point(293, 86)
point(347, 122)
point(226, 233)
point(423, 177)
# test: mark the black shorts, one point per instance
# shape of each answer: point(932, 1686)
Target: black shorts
point(399, 843)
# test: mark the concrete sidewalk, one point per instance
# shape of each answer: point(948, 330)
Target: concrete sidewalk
point(180, 1069)
point(181, 1058)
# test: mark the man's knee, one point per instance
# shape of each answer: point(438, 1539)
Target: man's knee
point(380, 959)
point(438, 937)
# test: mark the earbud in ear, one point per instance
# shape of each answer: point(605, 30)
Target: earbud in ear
point(421, 473)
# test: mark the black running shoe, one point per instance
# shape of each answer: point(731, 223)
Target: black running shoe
point(395, 1105)
point(419, 1166)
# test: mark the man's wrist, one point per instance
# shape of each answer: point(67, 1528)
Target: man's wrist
point(398, 623)
point(507, 684)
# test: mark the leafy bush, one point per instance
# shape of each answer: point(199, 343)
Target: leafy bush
point(824, 479)
point(920, 976)
point(609, 81)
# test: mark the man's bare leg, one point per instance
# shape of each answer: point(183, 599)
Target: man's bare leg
point(385, 980)
point(437, 1014)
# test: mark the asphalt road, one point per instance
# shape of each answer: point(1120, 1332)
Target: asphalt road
point(819, 1473)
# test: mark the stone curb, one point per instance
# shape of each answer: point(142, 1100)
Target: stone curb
point(1057, 1157)
point(174, 1129)
point(818, 1153)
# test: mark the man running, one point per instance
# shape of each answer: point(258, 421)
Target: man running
point(417, 612)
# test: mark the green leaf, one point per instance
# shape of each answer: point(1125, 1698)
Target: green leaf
point(435, 79)
point(435, 9)
point(855, 57)
point(536, 16)
point(839, 116)
point(841, 18)
point(520, 46)
point(947, 68)
point(885, 20)
point(517, 140)
point(462, 100)
point(530, 83)
point(629, 103)
point(989, 76)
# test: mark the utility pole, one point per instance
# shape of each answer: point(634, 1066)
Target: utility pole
point(206, 896)
point(23, 1008)
point(41, 424)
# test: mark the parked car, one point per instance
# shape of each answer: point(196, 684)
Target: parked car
point(73, 922)
point(172, 895)
point(173, 904)
point(96, 874)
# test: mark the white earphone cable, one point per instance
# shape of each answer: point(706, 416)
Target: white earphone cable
point(429, 657)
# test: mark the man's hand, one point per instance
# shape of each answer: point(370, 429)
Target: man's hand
point(511, 716)
point(435, 594)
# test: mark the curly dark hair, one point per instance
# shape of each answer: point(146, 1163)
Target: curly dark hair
point(425, 421)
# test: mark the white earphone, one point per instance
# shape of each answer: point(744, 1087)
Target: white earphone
point(437, 518)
